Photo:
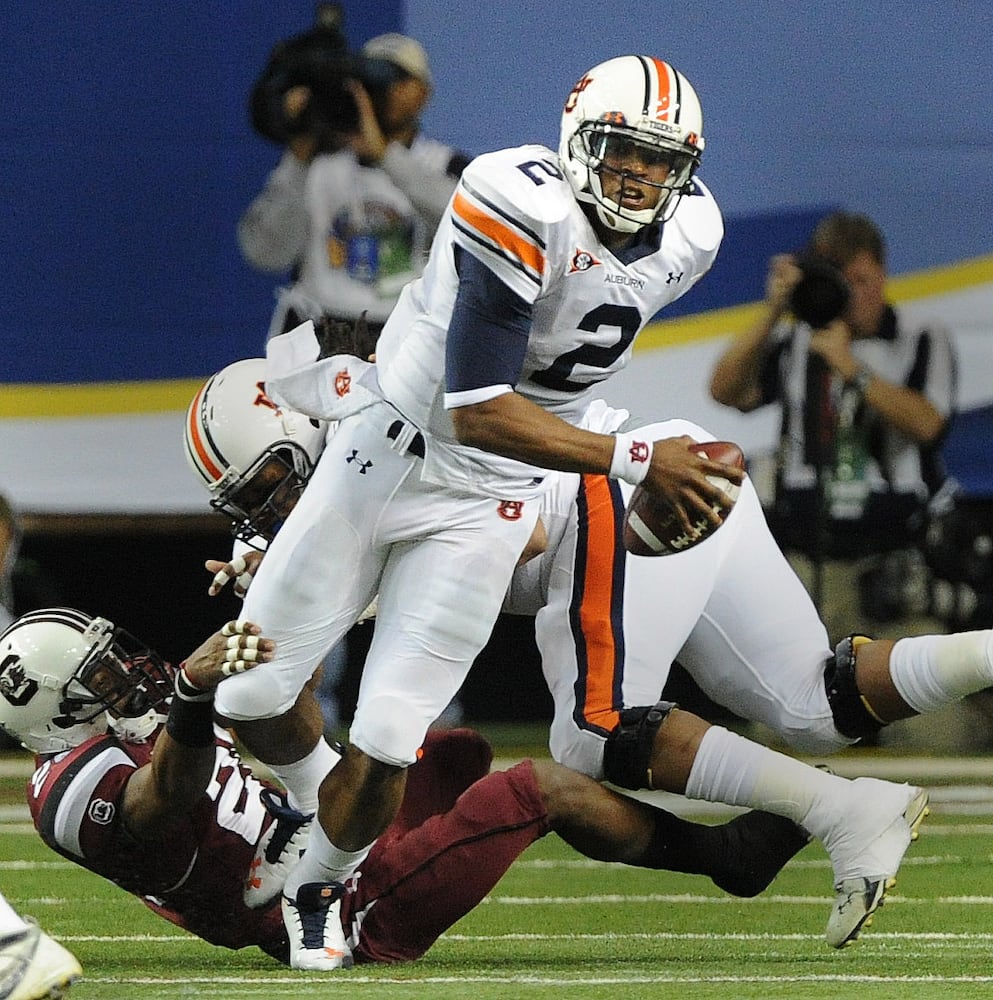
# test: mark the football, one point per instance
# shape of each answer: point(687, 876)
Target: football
point(651, 526)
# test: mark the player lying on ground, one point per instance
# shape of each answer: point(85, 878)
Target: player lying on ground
point(137, 784)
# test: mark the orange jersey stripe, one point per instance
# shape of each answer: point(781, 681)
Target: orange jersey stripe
point(503, 236)
point(206, 459)
point(597, 606)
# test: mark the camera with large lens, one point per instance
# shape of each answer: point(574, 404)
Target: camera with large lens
point(319, 60)
point(822, 294)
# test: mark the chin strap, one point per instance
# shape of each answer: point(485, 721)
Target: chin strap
point(136, 730)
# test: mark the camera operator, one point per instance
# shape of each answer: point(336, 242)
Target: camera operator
point(866, 401)
point(295, 103)
point(354, 203)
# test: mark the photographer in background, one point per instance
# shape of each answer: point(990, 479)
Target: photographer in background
point(354, 203)
point(296, 103)
point(866, 403)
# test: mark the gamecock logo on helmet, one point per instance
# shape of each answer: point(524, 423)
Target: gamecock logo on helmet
point(14, 686)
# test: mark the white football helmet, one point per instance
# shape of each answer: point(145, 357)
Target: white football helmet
point(631, 99)
point(254, 456)
point(61, 671)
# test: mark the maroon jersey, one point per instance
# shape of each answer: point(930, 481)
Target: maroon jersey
point(458, 831)
point(194, 874)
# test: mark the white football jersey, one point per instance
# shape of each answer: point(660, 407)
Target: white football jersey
point(515, 212)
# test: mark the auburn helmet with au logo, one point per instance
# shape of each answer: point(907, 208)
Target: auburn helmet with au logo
point(633, 103)
point(251, 454)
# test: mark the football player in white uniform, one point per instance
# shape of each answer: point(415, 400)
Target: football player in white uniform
point(730, 609)
point(543, 271)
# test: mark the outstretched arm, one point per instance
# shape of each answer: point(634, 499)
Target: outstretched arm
point(513, 426)
point(183, 760)
point(487, 343)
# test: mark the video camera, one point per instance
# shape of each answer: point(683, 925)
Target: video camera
point(822, 294)
point(318, 59)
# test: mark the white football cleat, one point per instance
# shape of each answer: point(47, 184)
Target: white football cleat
point(881, 824)
point(34, 966)
point(313, 923)
point(277, 852)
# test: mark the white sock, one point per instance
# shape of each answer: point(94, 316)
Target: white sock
point(932, 671)
point(323, 862)
point(731, 769)
point(303, 777)
point(11, 921)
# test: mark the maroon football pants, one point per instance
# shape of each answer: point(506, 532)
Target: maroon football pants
point(452, 842)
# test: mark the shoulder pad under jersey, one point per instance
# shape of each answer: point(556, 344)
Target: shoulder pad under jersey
point(504, 208)
point(699, 218)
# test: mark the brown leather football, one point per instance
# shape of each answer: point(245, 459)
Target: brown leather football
point(652, 527)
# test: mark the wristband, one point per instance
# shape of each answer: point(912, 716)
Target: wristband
point(191, 722)
point(191, 714)
point(186, 690)
point(632, 458)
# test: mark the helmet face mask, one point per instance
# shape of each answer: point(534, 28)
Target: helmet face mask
point(252, 455)
point(65, 677)
point(624, 121)
point(259, 501)
point(125, 679)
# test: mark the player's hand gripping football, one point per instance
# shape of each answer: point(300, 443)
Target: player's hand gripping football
point(237, 647)
point(679, 476)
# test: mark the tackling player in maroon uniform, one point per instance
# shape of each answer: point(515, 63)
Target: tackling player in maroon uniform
point(136, 783)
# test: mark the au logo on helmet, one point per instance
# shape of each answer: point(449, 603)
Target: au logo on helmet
point(573, 98)
point(262, 399)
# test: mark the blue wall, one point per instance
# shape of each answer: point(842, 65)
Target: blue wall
point(880, 106)
point(127, 156)
point(125, 162)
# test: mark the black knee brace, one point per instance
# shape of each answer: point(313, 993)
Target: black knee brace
point(628, 750)
point(852, 715)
